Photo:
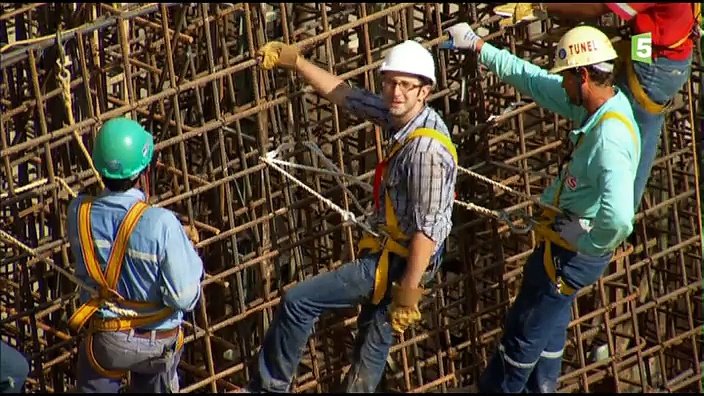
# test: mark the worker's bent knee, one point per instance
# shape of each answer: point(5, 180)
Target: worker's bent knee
point(297, 306)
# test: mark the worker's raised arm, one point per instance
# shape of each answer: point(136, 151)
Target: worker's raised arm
point(359, 102)
point(575, 10)
point(181, 268)
point(545, 88)
point(625, 11)
point(609, 166)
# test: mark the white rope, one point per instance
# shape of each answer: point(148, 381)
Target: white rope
point(108, 305)
point(349, 217)
point(506, 188)
point(335, 172)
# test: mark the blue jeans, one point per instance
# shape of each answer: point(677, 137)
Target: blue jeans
point(661, 81)
point(348, 286)
point(529, 355)
point(14, 369)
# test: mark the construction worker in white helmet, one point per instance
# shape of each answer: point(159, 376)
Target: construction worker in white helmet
point(594, 191)
point(413, 196)
point(144, 265)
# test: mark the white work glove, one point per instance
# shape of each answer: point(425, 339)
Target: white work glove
point(571, 228)
point(461, 37)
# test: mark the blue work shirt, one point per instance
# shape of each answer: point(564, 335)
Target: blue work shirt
point(599, 180)
point(160, 266)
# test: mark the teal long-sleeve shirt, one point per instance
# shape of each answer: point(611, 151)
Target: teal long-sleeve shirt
point(161, 266)
point(599, 179)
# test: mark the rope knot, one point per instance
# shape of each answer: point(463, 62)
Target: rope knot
point(349, 217)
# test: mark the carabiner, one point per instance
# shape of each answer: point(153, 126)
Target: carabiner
point(503, 216)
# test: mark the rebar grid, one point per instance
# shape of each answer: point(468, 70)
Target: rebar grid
point(187, 72)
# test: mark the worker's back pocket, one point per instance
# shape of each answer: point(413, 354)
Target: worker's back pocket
point(120, 351)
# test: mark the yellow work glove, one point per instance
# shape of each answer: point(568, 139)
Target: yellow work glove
point(192, 233)
point(276, 53)
point(404, 307)
point(516, 12)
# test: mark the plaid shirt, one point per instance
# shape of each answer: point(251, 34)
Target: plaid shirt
point(421, 176)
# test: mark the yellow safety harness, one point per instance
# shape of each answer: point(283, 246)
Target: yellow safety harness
point(107, 282)
point(543, 227)
point(392, 242)
point(623, 49)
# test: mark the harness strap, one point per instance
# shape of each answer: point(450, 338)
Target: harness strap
point(107, 281)
point(623, 48)
point(543, 229)
point(391, 244)
point(624, 61)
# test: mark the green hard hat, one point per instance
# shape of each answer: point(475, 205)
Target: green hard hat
point(122, 149)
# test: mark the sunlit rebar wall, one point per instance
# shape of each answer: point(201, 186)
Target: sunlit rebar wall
point(188, 73)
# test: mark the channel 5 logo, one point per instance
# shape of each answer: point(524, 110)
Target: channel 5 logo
point(642, 48)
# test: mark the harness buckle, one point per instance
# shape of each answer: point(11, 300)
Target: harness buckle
point(559, 284)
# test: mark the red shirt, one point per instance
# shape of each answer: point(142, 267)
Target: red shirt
point(668, 23)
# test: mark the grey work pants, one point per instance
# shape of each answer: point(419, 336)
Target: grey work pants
point(152, 363)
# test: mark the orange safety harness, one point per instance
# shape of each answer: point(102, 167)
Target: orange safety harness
point(107, 282)
point(543, 227)
point(391, 243)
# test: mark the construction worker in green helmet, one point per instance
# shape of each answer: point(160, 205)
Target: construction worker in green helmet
point(140, 260)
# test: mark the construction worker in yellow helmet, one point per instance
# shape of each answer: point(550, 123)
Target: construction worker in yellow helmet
point(661, 66)
point(594, 191)
point(143, 264)
point(413, 198)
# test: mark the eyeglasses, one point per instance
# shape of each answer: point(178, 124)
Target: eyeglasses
point(405, 86)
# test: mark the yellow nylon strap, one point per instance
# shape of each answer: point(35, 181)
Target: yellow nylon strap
point(87, 245)
point(108, 281)
point(119, 247)
point(113, 374)
point(697, 14)
point(433, 134)
point(623, 48)
point(392, 245)
point(543, 229)
point(118, 324)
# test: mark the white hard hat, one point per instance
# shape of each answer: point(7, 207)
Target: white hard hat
point(583, 46)
point(410, 57)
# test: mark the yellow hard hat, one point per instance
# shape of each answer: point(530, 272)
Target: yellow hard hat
point(582, 46)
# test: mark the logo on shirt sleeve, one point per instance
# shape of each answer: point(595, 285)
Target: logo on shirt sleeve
point(570, 181)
